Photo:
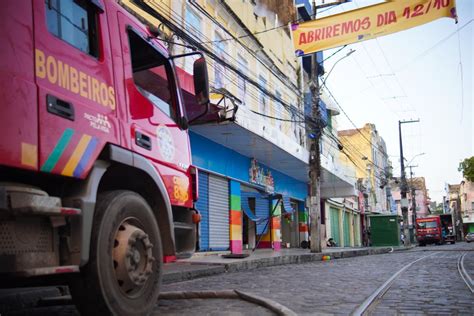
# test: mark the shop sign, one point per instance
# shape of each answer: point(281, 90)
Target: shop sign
point(261, 176)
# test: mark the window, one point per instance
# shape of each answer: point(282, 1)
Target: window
point(75, 22)
point(219, 68)
point(241, 83)
point(150, 74)
point(192, 24)
point(278, 110)
point(262, 101)
point(423, 225)
point(329, 114)
point(193, 21)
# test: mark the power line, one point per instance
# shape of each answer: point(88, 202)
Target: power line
point(352, 122)
point(219, 60)
point(462, 75)
point(235, 38)
point(425, 52)
point(215, 56)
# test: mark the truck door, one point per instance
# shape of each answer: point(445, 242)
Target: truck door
point(154, 105)
point(18, 116)
point(76, 96)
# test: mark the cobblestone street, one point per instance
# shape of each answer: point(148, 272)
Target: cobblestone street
point(430, 286)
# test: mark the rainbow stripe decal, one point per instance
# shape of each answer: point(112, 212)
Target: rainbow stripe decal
point(235, 217)
point(58, 150)
point(79, 158)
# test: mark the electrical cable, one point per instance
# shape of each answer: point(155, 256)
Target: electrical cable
point(294, 112)
point(211, 54)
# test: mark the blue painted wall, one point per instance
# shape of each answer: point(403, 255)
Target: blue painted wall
point(214, 157)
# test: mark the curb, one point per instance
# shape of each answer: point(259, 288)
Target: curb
point(206, 271)
point(219, 268)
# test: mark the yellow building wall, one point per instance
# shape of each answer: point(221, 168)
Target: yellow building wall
point(357, 146)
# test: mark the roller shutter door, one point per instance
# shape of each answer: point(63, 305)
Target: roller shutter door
point(347, 229)
point(334, 218)
point(218, 213)
point(203, 207)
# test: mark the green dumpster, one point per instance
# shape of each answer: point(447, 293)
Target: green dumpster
point(384, 230)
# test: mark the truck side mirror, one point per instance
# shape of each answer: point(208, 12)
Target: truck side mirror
point(201, 81)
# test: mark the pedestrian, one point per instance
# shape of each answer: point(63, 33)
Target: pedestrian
point(331, 243)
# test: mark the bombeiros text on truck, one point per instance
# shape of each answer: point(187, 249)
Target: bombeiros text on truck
point(97, 186)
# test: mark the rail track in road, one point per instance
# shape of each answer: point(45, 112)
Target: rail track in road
point(366, 307)
point(464, 275)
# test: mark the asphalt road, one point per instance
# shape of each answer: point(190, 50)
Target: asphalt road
point(432, 285)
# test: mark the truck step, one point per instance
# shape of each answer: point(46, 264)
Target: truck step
point(46, 211)
point(24, 200)
point(49, 271)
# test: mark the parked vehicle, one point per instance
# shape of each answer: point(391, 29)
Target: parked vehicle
point(447, 228)
point(435, 229)
point(96, 181)
point(469, 237)
point(429, 230)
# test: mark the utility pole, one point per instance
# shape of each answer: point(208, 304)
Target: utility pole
point(404, 187)
point(413, 200)
point(314, 152)
point(314, 157)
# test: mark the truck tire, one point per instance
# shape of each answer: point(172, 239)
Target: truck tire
point(123, 275)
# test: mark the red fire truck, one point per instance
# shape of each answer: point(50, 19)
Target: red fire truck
point(428, 230)
point(96, 183)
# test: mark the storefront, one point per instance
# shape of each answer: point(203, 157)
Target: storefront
point(343, 222)
point(244, 204)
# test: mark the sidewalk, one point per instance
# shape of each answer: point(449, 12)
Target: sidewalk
point(206, 264)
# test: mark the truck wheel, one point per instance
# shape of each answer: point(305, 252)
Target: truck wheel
point(123, 275)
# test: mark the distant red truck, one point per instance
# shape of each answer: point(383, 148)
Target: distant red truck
point(436, 229)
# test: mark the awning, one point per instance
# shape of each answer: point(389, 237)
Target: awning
point(287, 205)
point(246, 208)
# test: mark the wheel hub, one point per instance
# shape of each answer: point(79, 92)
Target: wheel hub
point(132, 257)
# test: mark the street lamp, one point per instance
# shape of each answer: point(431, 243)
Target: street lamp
point(420, 154)
point(403, 187)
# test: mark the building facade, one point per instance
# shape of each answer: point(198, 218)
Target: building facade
point(466, 197)
point(421, 197)
point(366, 152)
point(253, 166)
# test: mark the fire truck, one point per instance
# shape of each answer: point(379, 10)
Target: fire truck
point(97, 186)
point(435, 229)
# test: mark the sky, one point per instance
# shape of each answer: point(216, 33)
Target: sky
point(423, 73)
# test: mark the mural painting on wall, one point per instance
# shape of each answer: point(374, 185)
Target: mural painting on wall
point(261, 176)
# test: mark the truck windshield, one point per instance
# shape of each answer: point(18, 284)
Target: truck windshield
point(150, 74)
point(427, 224)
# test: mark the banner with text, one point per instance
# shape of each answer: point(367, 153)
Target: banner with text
point(367, 23)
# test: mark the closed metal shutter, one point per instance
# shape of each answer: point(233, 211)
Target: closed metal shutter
point(218, 213)
point(334, 218)
point(203, 207)
point(347, 229)
point(262, 210)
